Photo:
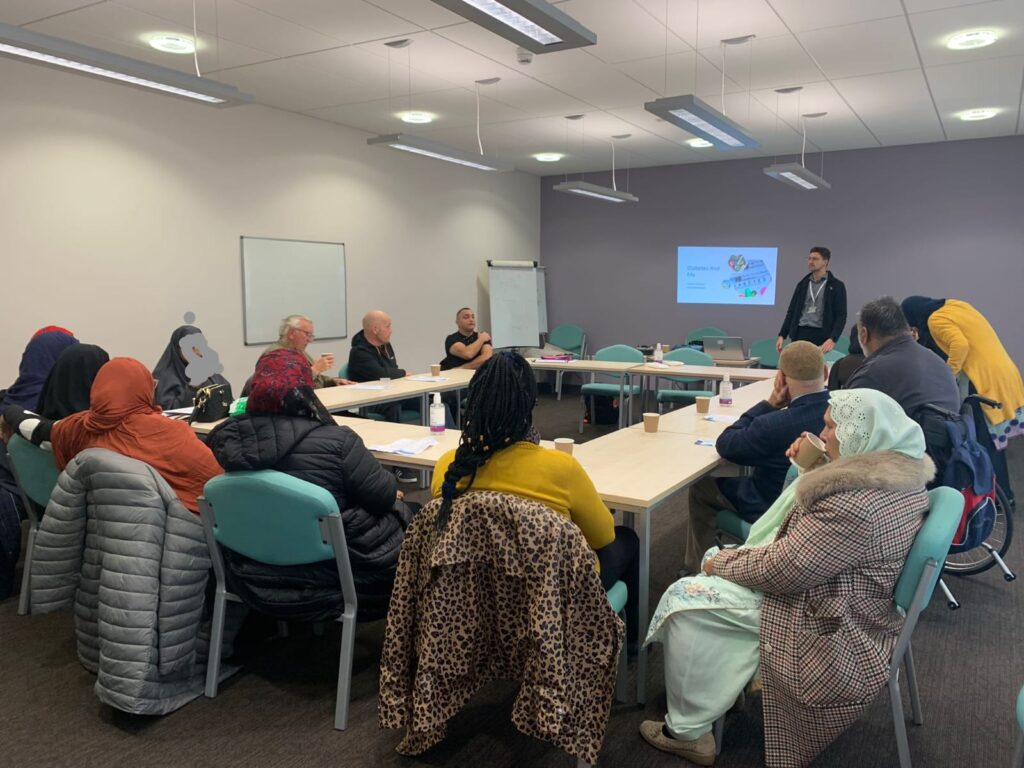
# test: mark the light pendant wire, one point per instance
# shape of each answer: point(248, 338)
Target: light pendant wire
point(614, 186)
point(195, 40)
point(479, 141)
point(723, 78)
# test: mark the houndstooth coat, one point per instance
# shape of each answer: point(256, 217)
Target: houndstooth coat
point(828, 622)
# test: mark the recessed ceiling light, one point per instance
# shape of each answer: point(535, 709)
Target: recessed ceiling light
point(415, 116)
point(168, 43)
point(699, 143)
point(548, 157)
point(973, 38)
point(977, 114)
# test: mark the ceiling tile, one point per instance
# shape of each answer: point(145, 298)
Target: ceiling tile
point(420, 12)
point(772, 62)
point(350, 21)
point(917, 6)
point(803, 15)
point(678, 76)
point(20, 12)
point(440, 57)
point(601, 86)
point(122, 31)
point(536, 98)
point(242, 24)
point(895, 106)
point(719, 19)
point(934, 29)
point(862, 49)
point(623, 30)
point(370, 67)
point(995, 83)
point(296, 86)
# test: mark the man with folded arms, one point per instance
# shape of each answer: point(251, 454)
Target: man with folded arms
point(467, 347)
point(759, 439)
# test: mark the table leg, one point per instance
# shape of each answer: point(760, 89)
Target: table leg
point(642, 526)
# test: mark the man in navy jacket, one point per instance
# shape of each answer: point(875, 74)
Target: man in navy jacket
point(759, 439)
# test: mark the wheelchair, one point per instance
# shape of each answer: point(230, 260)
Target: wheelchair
point(990, 551)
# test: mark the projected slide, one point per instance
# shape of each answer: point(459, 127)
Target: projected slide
point(727, 275)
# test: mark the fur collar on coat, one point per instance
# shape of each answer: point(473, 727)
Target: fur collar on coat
point(879, 470)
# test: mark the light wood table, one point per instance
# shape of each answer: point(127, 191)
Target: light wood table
point(688, 422)
point(703, 372)
point(748, 362)
point(607, 367)
point(636, 472)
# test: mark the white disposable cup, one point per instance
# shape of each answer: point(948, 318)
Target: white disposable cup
point(564, 444)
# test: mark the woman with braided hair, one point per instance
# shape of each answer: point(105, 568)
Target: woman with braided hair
point(500, 451)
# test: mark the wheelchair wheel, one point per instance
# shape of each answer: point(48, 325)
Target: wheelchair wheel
point(979, 559)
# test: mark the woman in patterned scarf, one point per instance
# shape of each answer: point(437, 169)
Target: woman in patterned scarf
point(808, 597)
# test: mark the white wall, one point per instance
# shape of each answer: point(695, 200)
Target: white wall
point(121, 210)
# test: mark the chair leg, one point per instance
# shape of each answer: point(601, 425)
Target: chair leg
point(581, 763)
point(583, 410)
point(216, 640)
point(282, 629)
point(899, 723)
point(719, 732)
point(26, 577)
point(558, 384)
point(348, 644)
point(915, 697)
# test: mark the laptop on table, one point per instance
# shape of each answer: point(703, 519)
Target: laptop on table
point(724, 347)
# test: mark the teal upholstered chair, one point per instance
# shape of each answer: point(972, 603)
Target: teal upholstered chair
point(764, 350)
point(843, 345)
point(733, 527)
point(617, 597)
point(833, 356)
point(1018, 753)
point(36, 474)
point(700, 333)
point(912, 594)
point(278, 519)
point(573, 340)
point(623, 389)
point(686, 356)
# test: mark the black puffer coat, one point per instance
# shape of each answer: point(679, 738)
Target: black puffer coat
point(334, 458)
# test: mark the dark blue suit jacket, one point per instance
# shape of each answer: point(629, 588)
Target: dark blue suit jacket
point(759, 439)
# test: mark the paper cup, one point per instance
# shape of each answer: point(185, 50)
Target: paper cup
point(435, 369)
point(564, 444)
point(811, 449)
point(703, 404)
point(651, 422)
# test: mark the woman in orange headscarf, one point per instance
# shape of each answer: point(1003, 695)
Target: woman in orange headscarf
point(123, 418)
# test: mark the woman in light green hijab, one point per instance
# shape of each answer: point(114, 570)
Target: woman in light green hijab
point(710, 625)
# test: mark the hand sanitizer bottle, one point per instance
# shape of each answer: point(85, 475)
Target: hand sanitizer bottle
point(437, 414)
point(659, 354)
point(725, 391)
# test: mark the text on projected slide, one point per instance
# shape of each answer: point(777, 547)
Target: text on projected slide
point(726, 275)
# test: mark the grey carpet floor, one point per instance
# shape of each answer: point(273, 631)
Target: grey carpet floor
point(278, 710)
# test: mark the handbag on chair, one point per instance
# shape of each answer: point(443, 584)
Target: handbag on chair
point(212, 403)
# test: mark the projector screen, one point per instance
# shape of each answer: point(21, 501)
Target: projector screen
point(726, 275)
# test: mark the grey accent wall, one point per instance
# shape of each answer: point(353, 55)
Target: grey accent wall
point(945, 220)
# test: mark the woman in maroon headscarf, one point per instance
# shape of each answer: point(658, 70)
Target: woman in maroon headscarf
point(287, 429)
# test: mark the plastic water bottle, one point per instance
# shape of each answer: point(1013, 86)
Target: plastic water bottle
point(659, 354)
point(437, 414)
point(725, 392)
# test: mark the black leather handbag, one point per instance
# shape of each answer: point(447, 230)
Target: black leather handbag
point(213, 403)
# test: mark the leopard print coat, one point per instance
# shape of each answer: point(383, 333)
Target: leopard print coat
point(508, 590)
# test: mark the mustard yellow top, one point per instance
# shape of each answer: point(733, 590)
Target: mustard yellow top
point(553, 478)
point(973, 347)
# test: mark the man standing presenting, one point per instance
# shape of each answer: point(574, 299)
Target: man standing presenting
point(466, 348)
point(817, 311)
point(295, 333)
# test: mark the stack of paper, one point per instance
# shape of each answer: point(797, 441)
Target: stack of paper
point(407, 446)
point(427, 377)
point(373, 387)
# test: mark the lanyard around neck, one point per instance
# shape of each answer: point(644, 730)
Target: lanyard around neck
point(810, 289)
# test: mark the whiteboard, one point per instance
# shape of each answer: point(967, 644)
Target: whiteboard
point(518, 305)
point(292, 277)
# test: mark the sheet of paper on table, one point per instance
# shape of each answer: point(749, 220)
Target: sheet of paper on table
point(705, 443)
point(373, 387)
point(407, 446)
point(425, 377)
point(721, 418)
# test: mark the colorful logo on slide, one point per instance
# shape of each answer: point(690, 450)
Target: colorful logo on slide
point(752, 279)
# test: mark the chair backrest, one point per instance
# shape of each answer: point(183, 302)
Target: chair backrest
point(843, 345)
point(764, 350)
point(834, 355)
point(569, 337)
point(700, 333)
point(689, 356)
point(932, 543)
point(343, 370)
point(34, 469)
point(270, 516)
point(620, 353)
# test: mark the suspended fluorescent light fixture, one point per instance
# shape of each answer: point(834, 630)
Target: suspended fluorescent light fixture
point(24, 44)
point(596, 191)
point(797, 176)
point(536, 25)
point(418, 146)
point(695, 116)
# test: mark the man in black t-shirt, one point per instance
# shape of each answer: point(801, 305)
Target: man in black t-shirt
point(467, 347)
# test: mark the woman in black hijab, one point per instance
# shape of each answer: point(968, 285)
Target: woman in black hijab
point(173, 388)
point(66, 390)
